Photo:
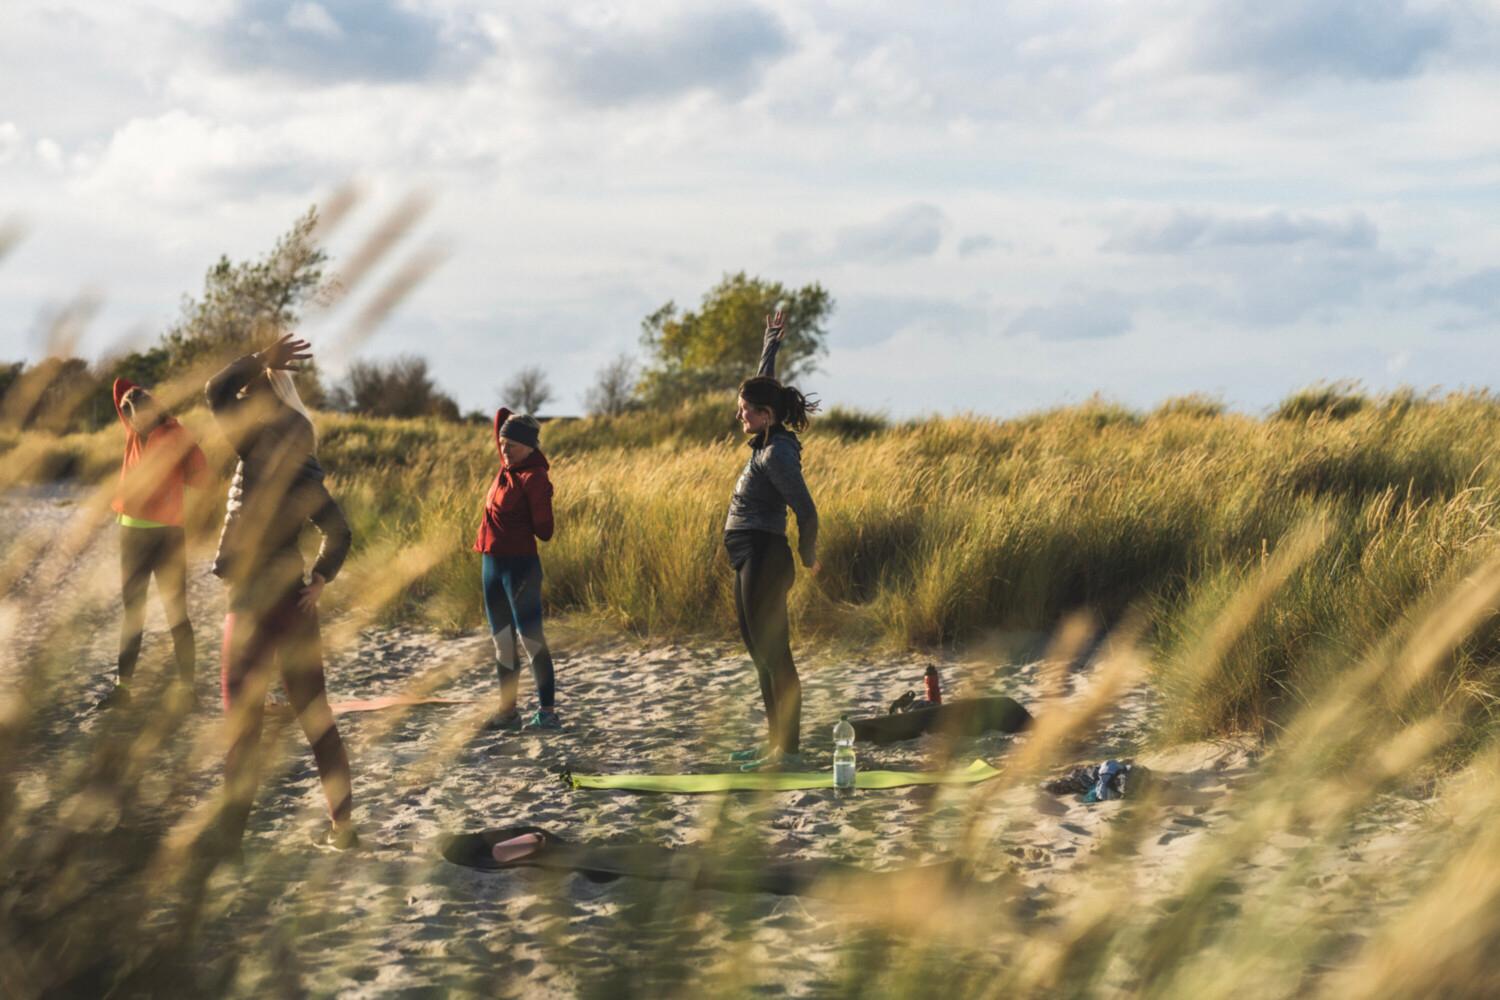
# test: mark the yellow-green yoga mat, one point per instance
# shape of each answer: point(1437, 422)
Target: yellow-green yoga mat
point(757, 781)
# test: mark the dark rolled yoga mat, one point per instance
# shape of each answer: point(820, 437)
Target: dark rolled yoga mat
point(959, 718)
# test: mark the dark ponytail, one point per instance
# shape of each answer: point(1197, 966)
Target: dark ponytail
point(789, 406)
point(796, 409)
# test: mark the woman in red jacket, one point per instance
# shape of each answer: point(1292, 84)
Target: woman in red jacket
point(517, 512)
point(161, 458)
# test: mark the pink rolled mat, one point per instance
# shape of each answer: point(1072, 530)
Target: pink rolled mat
point(392, 701)
point(516, 848)
point(374, 704)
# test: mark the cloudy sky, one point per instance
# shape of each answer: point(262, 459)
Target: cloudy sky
point(1015, 204)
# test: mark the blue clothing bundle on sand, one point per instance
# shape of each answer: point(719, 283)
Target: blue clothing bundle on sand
point(1100, 782)
point(959, 719)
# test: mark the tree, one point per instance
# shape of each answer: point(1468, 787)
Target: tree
point(51, 395)
point(717, 346)
point(149, 367)
point(10, 374)
point(527, 391)
point(613, 388)
point(401, 387)
point(244, 305)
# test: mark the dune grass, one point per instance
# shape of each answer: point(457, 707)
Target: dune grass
point(953, 530)
point(1327, 580)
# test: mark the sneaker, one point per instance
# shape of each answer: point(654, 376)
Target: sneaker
point(337, 837)
point(503, 721)
point(776, 760)
point(543, 718)
point(754, 753)
point(118, 698)
point(903, 703)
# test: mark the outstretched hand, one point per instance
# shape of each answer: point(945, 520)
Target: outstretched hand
point(776, 326)
point(283, 355)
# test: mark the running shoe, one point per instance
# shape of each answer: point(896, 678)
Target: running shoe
point(337, 837)
point(543, 718)
point(754, 753)
point(776, 760)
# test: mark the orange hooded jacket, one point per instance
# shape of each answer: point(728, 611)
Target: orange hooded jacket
point(156, 468)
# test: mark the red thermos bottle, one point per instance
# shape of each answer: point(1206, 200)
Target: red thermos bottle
point(934, 689)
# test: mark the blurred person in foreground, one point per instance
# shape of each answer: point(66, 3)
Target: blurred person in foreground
point(273, 607)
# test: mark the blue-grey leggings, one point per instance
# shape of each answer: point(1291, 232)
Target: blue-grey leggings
point(513, 605)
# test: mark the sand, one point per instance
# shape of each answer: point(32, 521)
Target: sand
point(395, 919)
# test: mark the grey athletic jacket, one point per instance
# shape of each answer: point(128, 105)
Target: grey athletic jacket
point(772, 482)
point(277, 488)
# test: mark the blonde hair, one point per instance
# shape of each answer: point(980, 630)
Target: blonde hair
point(285, 388)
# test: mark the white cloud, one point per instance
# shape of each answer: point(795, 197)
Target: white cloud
point(11, 142)
point(50, 154)
point(1355, 39)
point(314, 18)
point(1479, 291)
point(913, 231)
point(1077, 314)
point(650, 54)
point(342, 41)
point(174, 158)
point(1189, 230)
point(976, 244)
point(1207, 170)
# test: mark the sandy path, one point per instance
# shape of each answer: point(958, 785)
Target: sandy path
point(396, 919)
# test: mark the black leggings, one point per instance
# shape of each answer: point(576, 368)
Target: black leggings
point(162, 553)
point(761, 584)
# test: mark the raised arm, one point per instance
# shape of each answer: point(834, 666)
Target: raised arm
point(775, 331)
point(121, 387)
point(223, 390)
point(784, 465)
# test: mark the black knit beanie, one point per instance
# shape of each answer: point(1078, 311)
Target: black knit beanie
point(522, 429)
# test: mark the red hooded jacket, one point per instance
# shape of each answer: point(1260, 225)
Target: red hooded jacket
point(156, 468)
point(518, 509)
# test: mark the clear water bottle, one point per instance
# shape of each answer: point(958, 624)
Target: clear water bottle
point(843, 755)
